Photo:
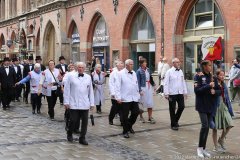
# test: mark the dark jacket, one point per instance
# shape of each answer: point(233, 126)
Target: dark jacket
point(43, 68)
point(26, 69)
point(59, 66)
point(141, 76)
point(226, 100)
point(19, 73)
point(7, 81)
point(205, 101)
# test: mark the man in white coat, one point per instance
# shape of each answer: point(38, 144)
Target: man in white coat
point(112, 87)
point(79, 98)
point(127, 94)
point(174, 90)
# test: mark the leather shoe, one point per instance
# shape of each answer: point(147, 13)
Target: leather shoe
point(38, 112)
point(83, 141)
point(131, 131)
point(70, 138)
point(4, 108)
point(177, 125)
point(33, 112)
point(174, 128)
point(126, 135)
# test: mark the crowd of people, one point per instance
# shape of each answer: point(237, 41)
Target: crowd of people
point(131, 93)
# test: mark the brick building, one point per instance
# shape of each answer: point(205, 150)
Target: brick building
point(111, 29)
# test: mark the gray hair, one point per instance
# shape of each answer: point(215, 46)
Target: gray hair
point(80, 64)
point(37, 65)
point(119, 62)
point(98, 65)
point(175, 59)
point(128, 61)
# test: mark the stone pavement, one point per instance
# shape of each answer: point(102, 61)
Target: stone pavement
point(32, 137)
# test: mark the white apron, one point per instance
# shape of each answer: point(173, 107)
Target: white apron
point(146, 99)
point(98, 82)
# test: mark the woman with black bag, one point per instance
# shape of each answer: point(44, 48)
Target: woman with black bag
point(50, 86)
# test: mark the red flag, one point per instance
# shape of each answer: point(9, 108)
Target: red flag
point(212, 48)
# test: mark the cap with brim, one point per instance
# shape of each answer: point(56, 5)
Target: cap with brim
point(38, 58)
point(30, 58)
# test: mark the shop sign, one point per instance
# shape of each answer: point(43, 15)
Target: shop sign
point(75, 38)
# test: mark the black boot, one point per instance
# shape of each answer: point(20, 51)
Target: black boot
point(83, 141)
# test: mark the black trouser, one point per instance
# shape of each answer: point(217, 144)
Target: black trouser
point(51, 103)
point(114, 110)
point(61, 97)
point(36, 101)
point(175, 116)
point(127, 121)
point(27, 91)
point(205, 121)
point(75, 117)
point(18, 91)
point(7, 96)
point(99, 107)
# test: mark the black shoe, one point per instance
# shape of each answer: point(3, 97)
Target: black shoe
point(33, 112)
point(38, 112)
point(131, 131)
point(7, 106)
point(70, 138)
point(174, 128)
point(26, 101)
point(111, 122)
point(126, 135)
point(83, 141)
point(52, 118)
point(4, 108)
point(17, 100)
point(177, 125)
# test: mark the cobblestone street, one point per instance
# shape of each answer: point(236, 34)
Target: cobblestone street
point(26, 136)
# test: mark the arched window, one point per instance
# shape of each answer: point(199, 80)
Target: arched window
point(142, 28)
point(142, 38)
point(204, 14)
point(205, 20)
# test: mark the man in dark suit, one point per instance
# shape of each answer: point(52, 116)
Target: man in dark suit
point(18, 72)
point(39, 60)
point(63, 69)
point(27, 68)
point(7, 80)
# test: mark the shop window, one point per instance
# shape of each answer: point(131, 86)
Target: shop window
point(189, 60)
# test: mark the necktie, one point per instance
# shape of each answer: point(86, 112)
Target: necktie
point(130, 72)
point(80, 75)
point(177, 69)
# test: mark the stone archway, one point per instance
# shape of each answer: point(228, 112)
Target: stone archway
point(49, 43)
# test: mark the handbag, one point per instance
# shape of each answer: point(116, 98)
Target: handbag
point(236, 82)
point(58, 92)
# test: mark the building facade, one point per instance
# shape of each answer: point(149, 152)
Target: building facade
point(113, 29)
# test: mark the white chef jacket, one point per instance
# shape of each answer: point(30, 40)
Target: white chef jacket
point(78, 92)
point(174, 82)
point(112, 82)
point(160, 66)
point(127, 86)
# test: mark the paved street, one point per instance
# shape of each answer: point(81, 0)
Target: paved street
point(26, 136)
